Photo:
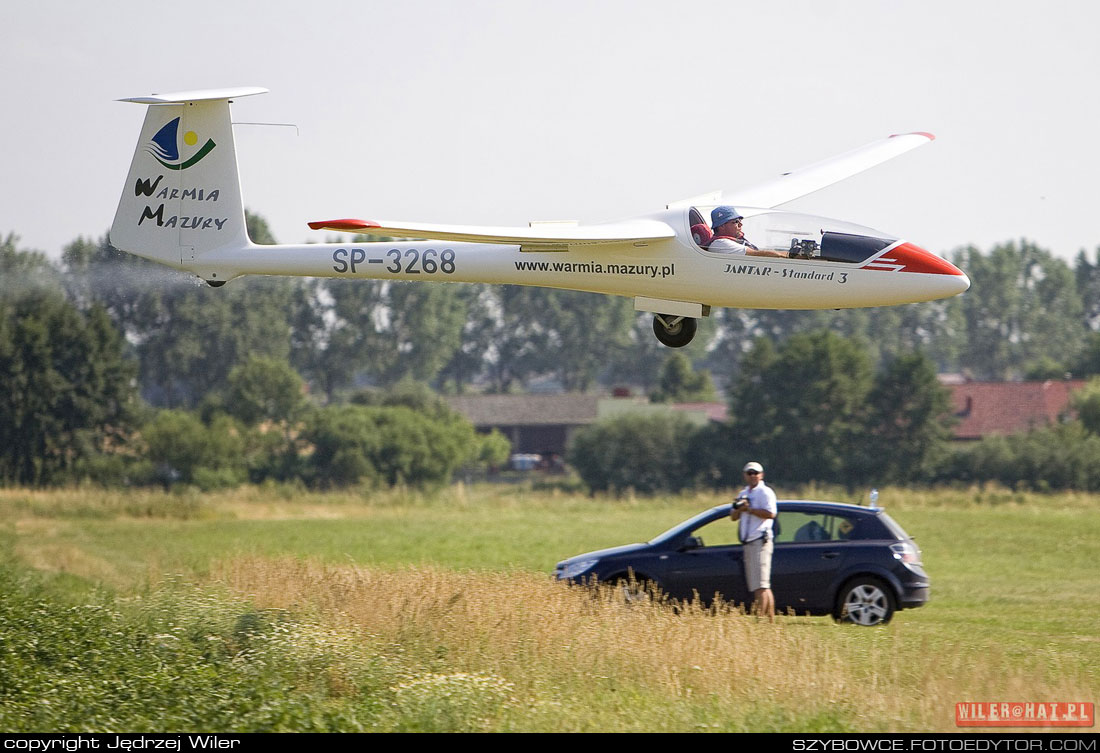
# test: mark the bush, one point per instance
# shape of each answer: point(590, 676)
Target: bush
point(1057, 457)
point(264, 389)
point(646, 453)
point(389, 445)
point(113, 470)
point(494, 449)
point(187, 451)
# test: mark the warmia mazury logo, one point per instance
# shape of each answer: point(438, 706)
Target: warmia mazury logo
point(165, 147)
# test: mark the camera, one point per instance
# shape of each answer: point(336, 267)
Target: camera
point(741, 503)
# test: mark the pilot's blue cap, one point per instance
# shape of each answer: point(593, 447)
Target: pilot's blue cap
point(721, 215)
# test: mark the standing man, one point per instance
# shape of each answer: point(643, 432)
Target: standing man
point(755, 510)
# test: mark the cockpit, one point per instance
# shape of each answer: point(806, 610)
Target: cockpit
point(795, 236)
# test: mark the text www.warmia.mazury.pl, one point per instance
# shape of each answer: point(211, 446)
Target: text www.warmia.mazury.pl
point(593, 267)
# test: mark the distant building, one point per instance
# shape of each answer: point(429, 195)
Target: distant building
point(986, 408)
point(544, 424)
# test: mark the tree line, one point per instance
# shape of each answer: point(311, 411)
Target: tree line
point(92, 346)
point(815, 410)
point(1028, 314)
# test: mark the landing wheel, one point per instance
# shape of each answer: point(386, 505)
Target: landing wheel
point(674, 331)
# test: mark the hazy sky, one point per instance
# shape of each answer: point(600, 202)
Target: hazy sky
point(504, 112)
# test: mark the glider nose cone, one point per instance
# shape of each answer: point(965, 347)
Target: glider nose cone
point(949, 279)
point(962, 283)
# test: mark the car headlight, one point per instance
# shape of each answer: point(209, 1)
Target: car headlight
point(573, 569)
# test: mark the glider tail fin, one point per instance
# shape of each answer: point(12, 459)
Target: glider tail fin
point(182, 203)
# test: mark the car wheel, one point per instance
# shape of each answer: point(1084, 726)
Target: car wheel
point(865, 601)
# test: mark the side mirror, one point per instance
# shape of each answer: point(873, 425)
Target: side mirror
point(691, 542)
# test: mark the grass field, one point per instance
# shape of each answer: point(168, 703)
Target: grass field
point(394, 611)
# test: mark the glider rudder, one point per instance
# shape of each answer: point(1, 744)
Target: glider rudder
point(182, 200)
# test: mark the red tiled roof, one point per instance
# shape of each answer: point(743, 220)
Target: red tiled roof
point(985, 408)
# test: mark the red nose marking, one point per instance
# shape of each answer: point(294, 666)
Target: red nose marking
point(916, 259)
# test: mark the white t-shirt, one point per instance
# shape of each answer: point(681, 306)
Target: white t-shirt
point(761, 497)
point(725, 245)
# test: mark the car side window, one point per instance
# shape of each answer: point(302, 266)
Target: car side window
point(801, 527)
point(721, 532)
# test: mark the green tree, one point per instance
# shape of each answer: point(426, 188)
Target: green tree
point(409, 394)
point(193, 336)
point(646, 453)
point(67, 389)
point(679, 383)
point(478, 339)
point(356, 341)
point(1043, 369)
point(1063, 456)
point(1088, 285)
point(186, 450)
point(1087, 361)
point(555, 333)
point(258, 229)
point(264, 389)
point(1086, 403)
point(909, 423)
point(96, 273)
point(802, 412)
point(494, 449)
point(1023, 305)
point(389, 445)
point(639, 361)
point(521, 339)
point(580, 326)
point(24, 271)
point(424, 328)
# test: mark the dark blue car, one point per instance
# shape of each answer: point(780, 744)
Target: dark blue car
point(852, 562)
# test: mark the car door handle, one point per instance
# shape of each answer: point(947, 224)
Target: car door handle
point(829, 555)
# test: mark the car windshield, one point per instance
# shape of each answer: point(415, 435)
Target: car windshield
point(691, 524)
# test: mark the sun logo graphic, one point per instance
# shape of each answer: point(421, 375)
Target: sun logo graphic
point(165, 147)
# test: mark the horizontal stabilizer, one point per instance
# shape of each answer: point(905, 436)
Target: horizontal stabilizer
point(198, 95)
point(543, 234)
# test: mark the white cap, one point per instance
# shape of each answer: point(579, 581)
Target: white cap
point(754, 466)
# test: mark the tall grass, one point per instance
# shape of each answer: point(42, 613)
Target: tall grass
point(405, 611)
point(575, 661)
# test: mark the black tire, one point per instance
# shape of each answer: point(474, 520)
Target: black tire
point(677, 336)
point(865, 601)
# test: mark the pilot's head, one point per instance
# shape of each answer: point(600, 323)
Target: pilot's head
point(722, 216)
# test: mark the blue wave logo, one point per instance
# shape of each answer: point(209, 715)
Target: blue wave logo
point(165, 146)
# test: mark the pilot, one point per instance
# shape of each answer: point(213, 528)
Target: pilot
point(729, 238)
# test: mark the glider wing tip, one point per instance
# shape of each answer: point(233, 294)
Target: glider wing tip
point(926, 134)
